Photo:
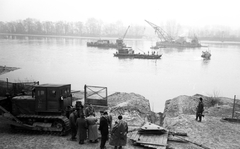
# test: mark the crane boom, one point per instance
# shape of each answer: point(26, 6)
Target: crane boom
point(125, 32)
point(162, 35)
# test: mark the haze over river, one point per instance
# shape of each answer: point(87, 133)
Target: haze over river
point(178, 72)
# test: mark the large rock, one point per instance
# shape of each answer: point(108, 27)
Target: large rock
point(134, 108)
point(128, 102)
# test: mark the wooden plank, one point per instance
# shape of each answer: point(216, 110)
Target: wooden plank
point(137, 136)
point(133, 135)
point(151, 140)
point(148, 143)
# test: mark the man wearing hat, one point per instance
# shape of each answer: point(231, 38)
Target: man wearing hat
point(200, 109)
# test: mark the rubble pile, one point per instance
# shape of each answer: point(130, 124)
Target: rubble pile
point(134, 108)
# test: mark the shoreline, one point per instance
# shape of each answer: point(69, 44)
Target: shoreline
point(207, 40)
point(69, 37)
point(178, 116)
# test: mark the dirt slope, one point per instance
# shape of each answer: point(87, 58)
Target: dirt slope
point(212, 132)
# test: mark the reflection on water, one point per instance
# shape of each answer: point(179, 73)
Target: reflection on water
point(205, 62)
point(178, 72)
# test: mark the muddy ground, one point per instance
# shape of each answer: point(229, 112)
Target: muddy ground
point(12, 139)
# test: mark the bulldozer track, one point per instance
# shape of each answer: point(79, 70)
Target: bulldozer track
point(61, 124)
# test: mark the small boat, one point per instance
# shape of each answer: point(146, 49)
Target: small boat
point(128, 52)
point(206, 54)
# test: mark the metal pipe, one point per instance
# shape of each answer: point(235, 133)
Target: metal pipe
point(233, 106)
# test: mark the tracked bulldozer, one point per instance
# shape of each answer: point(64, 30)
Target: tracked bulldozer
point(46, 109)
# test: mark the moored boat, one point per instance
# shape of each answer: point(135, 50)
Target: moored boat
point(106, 44)
point(128, 52)
point(167, 41)
point(206, 55)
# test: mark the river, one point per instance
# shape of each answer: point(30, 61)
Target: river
point(178, 72)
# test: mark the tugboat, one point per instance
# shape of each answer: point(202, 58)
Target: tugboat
point(206, 55)
point(167, 41)
point(128, 52)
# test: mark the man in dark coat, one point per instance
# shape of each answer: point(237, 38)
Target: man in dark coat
point(103, 127)
point(82, 129)
point(200, 109)
point(72, 119)
point(79, 108)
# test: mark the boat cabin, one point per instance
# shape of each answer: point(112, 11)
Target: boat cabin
point(103, 41)
point(126, 50)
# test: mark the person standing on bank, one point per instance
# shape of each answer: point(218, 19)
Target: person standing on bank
point(119, 133)
point(200, 109)
point(82, 129)
point(92, 128)
point(72, 119)
point(89, 110)
point(103, 127)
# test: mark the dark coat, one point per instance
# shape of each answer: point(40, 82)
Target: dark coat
point(82, 128)
point(103, 127)
point(119, 134)
point(73, 119)
point(200, 107)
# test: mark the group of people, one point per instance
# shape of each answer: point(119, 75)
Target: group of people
point(85, 125)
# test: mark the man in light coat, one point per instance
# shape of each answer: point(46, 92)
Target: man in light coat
point(92, 128)
point(119, 134)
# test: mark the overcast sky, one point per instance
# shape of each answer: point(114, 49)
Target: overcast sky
point(185, 12)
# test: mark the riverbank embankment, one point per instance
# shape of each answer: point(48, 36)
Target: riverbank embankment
point(212, 132)
point(179, 116)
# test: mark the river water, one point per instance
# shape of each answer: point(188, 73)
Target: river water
point(178, 72)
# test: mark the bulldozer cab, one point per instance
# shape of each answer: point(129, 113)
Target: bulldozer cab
point(52, 98)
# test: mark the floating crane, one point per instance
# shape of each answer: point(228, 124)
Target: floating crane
point(120, 40)
point(126, 32)
point(167, 41)
point(162, 35)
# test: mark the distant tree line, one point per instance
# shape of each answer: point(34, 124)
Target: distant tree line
point(92, 28)
point(97, 28)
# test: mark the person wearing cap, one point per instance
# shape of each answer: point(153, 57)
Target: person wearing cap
point(200, 109)
point(119, 134)
point(103, 128)
point(79, 108)
point(89, 110)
